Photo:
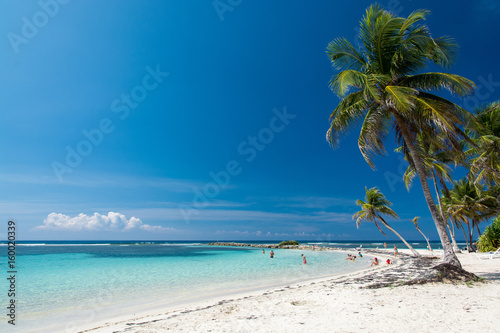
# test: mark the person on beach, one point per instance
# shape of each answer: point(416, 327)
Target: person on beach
point(304, 259)
point(360, 255)
point(374, 262)
point(385, 245)
point(395, 250)
point(272, 254)
point(389, 261)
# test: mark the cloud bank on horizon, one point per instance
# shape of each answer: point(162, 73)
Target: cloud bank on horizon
point(110, 222)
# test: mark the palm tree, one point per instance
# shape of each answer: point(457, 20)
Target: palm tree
point(469, 205)
point(380, 86)
point(415, 219)
point(484, 131)
point(494, 192)
point(436, 156)
point(373, 207)
point(454, 218)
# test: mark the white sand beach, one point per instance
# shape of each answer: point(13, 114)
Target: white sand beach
point(339, 304)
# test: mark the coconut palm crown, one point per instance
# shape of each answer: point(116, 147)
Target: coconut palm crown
point(375, 205)
point(381, 87)
point(372, 209)
point(484, 131)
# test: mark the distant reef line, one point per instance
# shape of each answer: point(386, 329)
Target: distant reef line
point(274, 246)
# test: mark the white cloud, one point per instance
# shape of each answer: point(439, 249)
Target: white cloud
point(111, 222)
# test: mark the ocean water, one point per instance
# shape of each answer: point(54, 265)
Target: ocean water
point(63, 285)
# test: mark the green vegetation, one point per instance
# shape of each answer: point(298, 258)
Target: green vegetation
point(490, 239)
point(381, 87)
point(415, 222)
point(373, 207)
point(467, 204)
point(288, 242)
point(484, 131)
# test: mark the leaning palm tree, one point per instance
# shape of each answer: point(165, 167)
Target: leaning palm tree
point(415, 222)
point(381, 87)
point(374, 206)
point(484, 131)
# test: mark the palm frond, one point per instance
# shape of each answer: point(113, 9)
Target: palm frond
point(376, 126)
point(400, 97)
point(344, 55)
point(349, 112)
point(455, 84)
point(345, 80)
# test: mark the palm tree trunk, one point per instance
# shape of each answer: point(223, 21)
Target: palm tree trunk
point(478, 231)
point(415, 253)
point(449, 256)
point(456, 249)
point(465, 237)
point(427, 239)
point(471, 232)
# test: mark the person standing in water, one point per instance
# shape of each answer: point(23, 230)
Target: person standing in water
point(385, 245)
point(272, 254)
point(304, 259)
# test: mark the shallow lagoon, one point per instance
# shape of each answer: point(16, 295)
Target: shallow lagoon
point(62, 286)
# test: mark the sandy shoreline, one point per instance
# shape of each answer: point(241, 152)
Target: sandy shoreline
point(340, 304)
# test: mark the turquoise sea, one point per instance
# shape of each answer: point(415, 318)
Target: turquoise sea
point(64, 285)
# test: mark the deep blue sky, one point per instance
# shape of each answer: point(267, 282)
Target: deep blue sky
point(257, 68)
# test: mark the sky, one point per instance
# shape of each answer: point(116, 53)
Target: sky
point(200, 120)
